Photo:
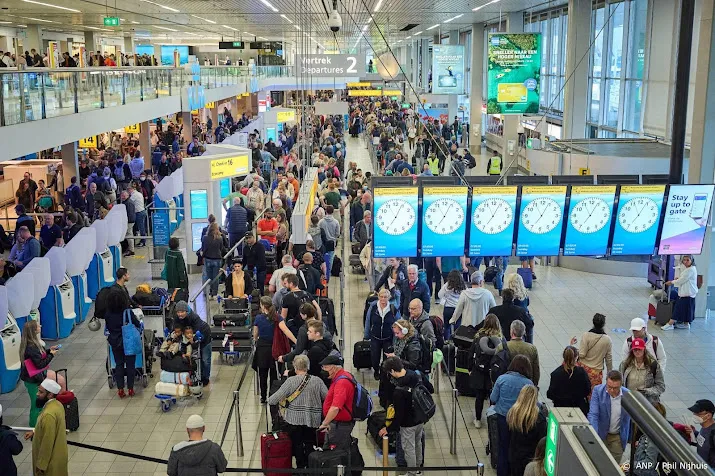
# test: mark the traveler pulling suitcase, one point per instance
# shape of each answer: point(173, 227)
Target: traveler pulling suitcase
point(462, 368)
point(361, 355)
point(69, 401)
point(493, 437)
point(276, 451)
point(526, 275)
point(664, 309)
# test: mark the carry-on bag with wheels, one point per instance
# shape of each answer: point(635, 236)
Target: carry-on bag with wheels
point(461, 376)
point(526, 275)
point(449, 353)
point(493, 437)
point(276, 451)
point(69, 401)
point(464, 337)
point(664, 309)
point(361, 355)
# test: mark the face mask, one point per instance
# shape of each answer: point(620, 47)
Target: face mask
point(40, 402)
point(142, 178)
point(698, 419)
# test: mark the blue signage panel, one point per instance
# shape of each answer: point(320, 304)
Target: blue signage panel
point(541, 220)
point(199, 204)
point(589, 220)
point(395, 222)
point(491, 232)
point(637, 219)
point(160, 227)
point(686, 219)
point(225, 187)
point(444, 221)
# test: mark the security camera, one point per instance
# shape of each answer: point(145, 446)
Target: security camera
point(334, 20)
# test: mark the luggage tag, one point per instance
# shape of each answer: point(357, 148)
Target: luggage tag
point(231, 346)
point(225, 340)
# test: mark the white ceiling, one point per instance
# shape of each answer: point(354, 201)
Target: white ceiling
point(208, 21)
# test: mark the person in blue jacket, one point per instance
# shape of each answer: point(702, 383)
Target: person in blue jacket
point(381, 315)
point(10, 446)
point(607, 415)
point(413, 288)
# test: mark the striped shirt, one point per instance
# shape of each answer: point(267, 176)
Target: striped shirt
point(307, 408)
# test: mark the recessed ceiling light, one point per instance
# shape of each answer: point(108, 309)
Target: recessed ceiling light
point(248, 33)
point(52, 6)
point(38, 19)
point(229, 27)
point(189, 33)
point(269, 5)
point(454, 18)
point(433, 27)
point(417, 33)
point(482, 6)
point(22, 26)
point(408, 37)
point(365, 27)
point(164, 28)
point(286, 18)
point(98, 29)
point(161, 6)
point(297, 27)
point(377, 7)
point(6, 22)
point(204, 19)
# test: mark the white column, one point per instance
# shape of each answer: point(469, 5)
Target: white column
point(476, 79)
point(514, 24)
point(128, 46)
point(414, 47)
point(426, 64)
point(145, 143)
point(576, 89)
point(701, 165)
point(34, 38)
point(89, 43)
point(452, 102)
point(70, 165)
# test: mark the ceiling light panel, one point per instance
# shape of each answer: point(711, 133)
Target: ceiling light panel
point(164, 28)
point(204, 19)
point(161, 6)
point(286, 18)
point(377, 7)
point(38, 19)
point(52, 6)
point(269, 5)
point(432, 27)
point(486, 4)
point(230, 27)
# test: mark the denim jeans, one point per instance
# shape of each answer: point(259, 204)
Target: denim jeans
point(328, 263)
point(501, 263)
point(205, 363)
point(141, 225)
point(449, 328)
point(211, 269)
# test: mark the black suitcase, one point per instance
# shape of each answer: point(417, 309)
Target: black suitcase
point(71, 408)
point(327, 461)
point(449, 351)
point(492, 448)
point(463, 365)
point(361, 355)
point(232, 320)
point(464, 337)
point(235, 332)
point(375, 422)
point(355, 248)
point(235, 305)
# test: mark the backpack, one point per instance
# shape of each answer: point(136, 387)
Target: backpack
point(655, 345)
point(482, 360)
point(119, 172)
point(438, 325)
point(425, 354)
point(100, 302)
point(499, 362)
point(362, 403)
point(422, 403)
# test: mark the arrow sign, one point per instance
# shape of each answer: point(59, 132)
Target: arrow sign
point(551, 445)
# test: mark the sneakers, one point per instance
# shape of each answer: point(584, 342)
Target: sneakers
point(263, 401)
point(436, 301)
point(131, 392)
point(477, 423)
point(120, 393)
point(668, 327)
point(682, 325)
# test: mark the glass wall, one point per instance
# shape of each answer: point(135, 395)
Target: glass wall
point(618, 30)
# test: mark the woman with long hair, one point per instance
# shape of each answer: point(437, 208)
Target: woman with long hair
point(263, 362)
point(449, 295)
point(596, 348)
point(570, 385)
point(35, 361)
point(213, 248)
point(486, 342)
point(515, 282)
point(642, 372)
point(527, 425)
point(536, 466)
point(281, 235)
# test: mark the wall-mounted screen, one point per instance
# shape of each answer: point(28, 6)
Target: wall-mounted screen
point(589, 220)
point(144, 49)
point(541, 220)
point(395, 222)
point(270, 134)
point(199, 204)
point(491, 232)
point(167, 54)
point(637, 219)
point(686, 219)
point(196, 229)
point(224, 187)
point(444, 221)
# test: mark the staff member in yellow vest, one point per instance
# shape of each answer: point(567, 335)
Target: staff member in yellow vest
point(494, 165)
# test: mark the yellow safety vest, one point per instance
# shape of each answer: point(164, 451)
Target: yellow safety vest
point(495, 165)
point(433, 165)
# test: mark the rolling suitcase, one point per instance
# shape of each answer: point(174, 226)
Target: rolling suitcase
point(355, 248)
point(450, 357)
point(462, 367)
point(490, 273)
point(235, 305)
point(69, 401)
point(326, 461)
point(664, 309)
point(361, 355)
point(526, 275)
point(232, 320)
point(493, 437)
point(464, 337)
point(276, 451)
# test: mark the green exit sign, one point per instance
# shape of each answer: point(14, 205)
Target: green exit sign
point(111, 21)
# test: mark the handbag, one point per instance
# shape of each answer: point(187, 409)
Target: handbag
point(281, 344)
point(32, 370)
point(199, 258)
point(131, 338)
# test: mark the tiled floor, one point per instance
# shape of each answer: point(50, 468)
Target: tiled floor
point(562, 302)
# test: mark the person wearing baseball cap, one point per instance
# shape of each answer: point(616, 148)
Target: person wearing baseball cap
point(187, 317)
point(338, 403)
point(641, 372)
point(197, 456)
point(49, 439)
point(653, 344)
point(704, 439)
point(9, 446)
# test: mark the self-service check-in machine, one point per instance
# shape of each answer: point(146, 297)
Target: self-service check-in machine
point(117, 224)
point(80, 252)
point(39, 269)
point(20, 293)
point(100, 273)
point(57, 309)
point(9, 346)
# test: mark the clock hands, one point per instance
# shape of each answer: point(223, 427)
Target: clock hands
point(445, 213)
point(639, 213)
point(394, 219)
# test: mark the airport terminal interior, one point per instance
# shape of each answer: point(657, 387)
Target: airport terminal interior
point(580, 126)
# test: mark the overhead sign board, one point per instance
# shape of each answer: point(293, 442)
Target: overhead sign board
point(331, 65)
point(514, 73)
point(374, 92)
point(229, 167)
point(133, 129)
point(210, 105)
point(231, 45)
point(88, 142)
point(444, 221)
point(111, 21)
point(285, 116)
point(359, 85)
point(448, 69)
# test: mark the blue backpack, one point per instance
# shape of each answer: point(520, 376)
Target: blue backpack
point(362, 403)
point(119, 172)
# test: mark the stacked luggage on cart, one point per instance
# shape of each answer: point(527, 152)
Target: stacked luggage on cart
point(231, 329)
point(271, 260)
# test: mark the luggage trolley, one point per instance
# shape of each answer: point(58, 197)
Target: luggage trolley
point(182, 391)
point(154, 318)
point(141, 366)
point(234, 335)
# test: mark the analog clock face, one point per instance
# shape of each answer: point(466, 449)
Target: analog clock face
point(444, 216)
point(590, 215)
point(638, 214)
point(395, 217)
point(541, 215)
point(493, 216)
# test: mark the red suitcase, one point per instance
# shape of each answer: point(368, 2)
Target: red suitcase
point(276, 451)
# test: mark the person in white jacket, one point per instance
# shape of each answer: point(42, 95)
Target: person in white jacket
point(653, 345)
point(687, 284)
point(474, 303)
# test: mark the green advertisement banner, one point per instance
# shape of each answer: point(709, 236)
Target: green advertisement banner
point(514, 73)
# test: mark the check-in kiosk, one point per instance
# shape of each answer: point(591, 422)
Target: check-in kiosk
point(100, 273)
point(275, 120)
point(39, 269)
point(20, 293)
point(9, 347)
point(80, 252)
point(117, 228)
point(57, 309)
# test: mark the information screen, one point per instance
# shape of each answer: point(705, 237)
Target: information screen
point(199, 204)
point(637, 219)
point(196, 229)
point(225, 187)
point(686, 219)
point(444, 224)
point(270, 133)
point(491, 232)
point(541, 220)
point(589, 220)
point(395, 222)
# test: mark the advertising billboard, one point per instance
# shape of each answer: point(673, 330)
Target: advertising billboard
point(444, 224)
point(448, 69)
point(491, 232)
point(395, 227)
point(541, 220)
point(199, 202)
point(686, 218)
point(167, 54)
point(589, 220)
point(637, 219)
point(514, 71)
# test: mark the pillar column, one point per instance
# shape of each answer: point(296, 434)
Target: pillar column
point(213, 114)
point(701, 164)
point(476, 74)
point(70, 165)
point(414, 73)
point(576, 89)
point(89, 43)
point(145, 143)
point(34, 38)
point(514, 24)
point(186, 131)
point(452, 105)
point(128, 46)
point(426, 64)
